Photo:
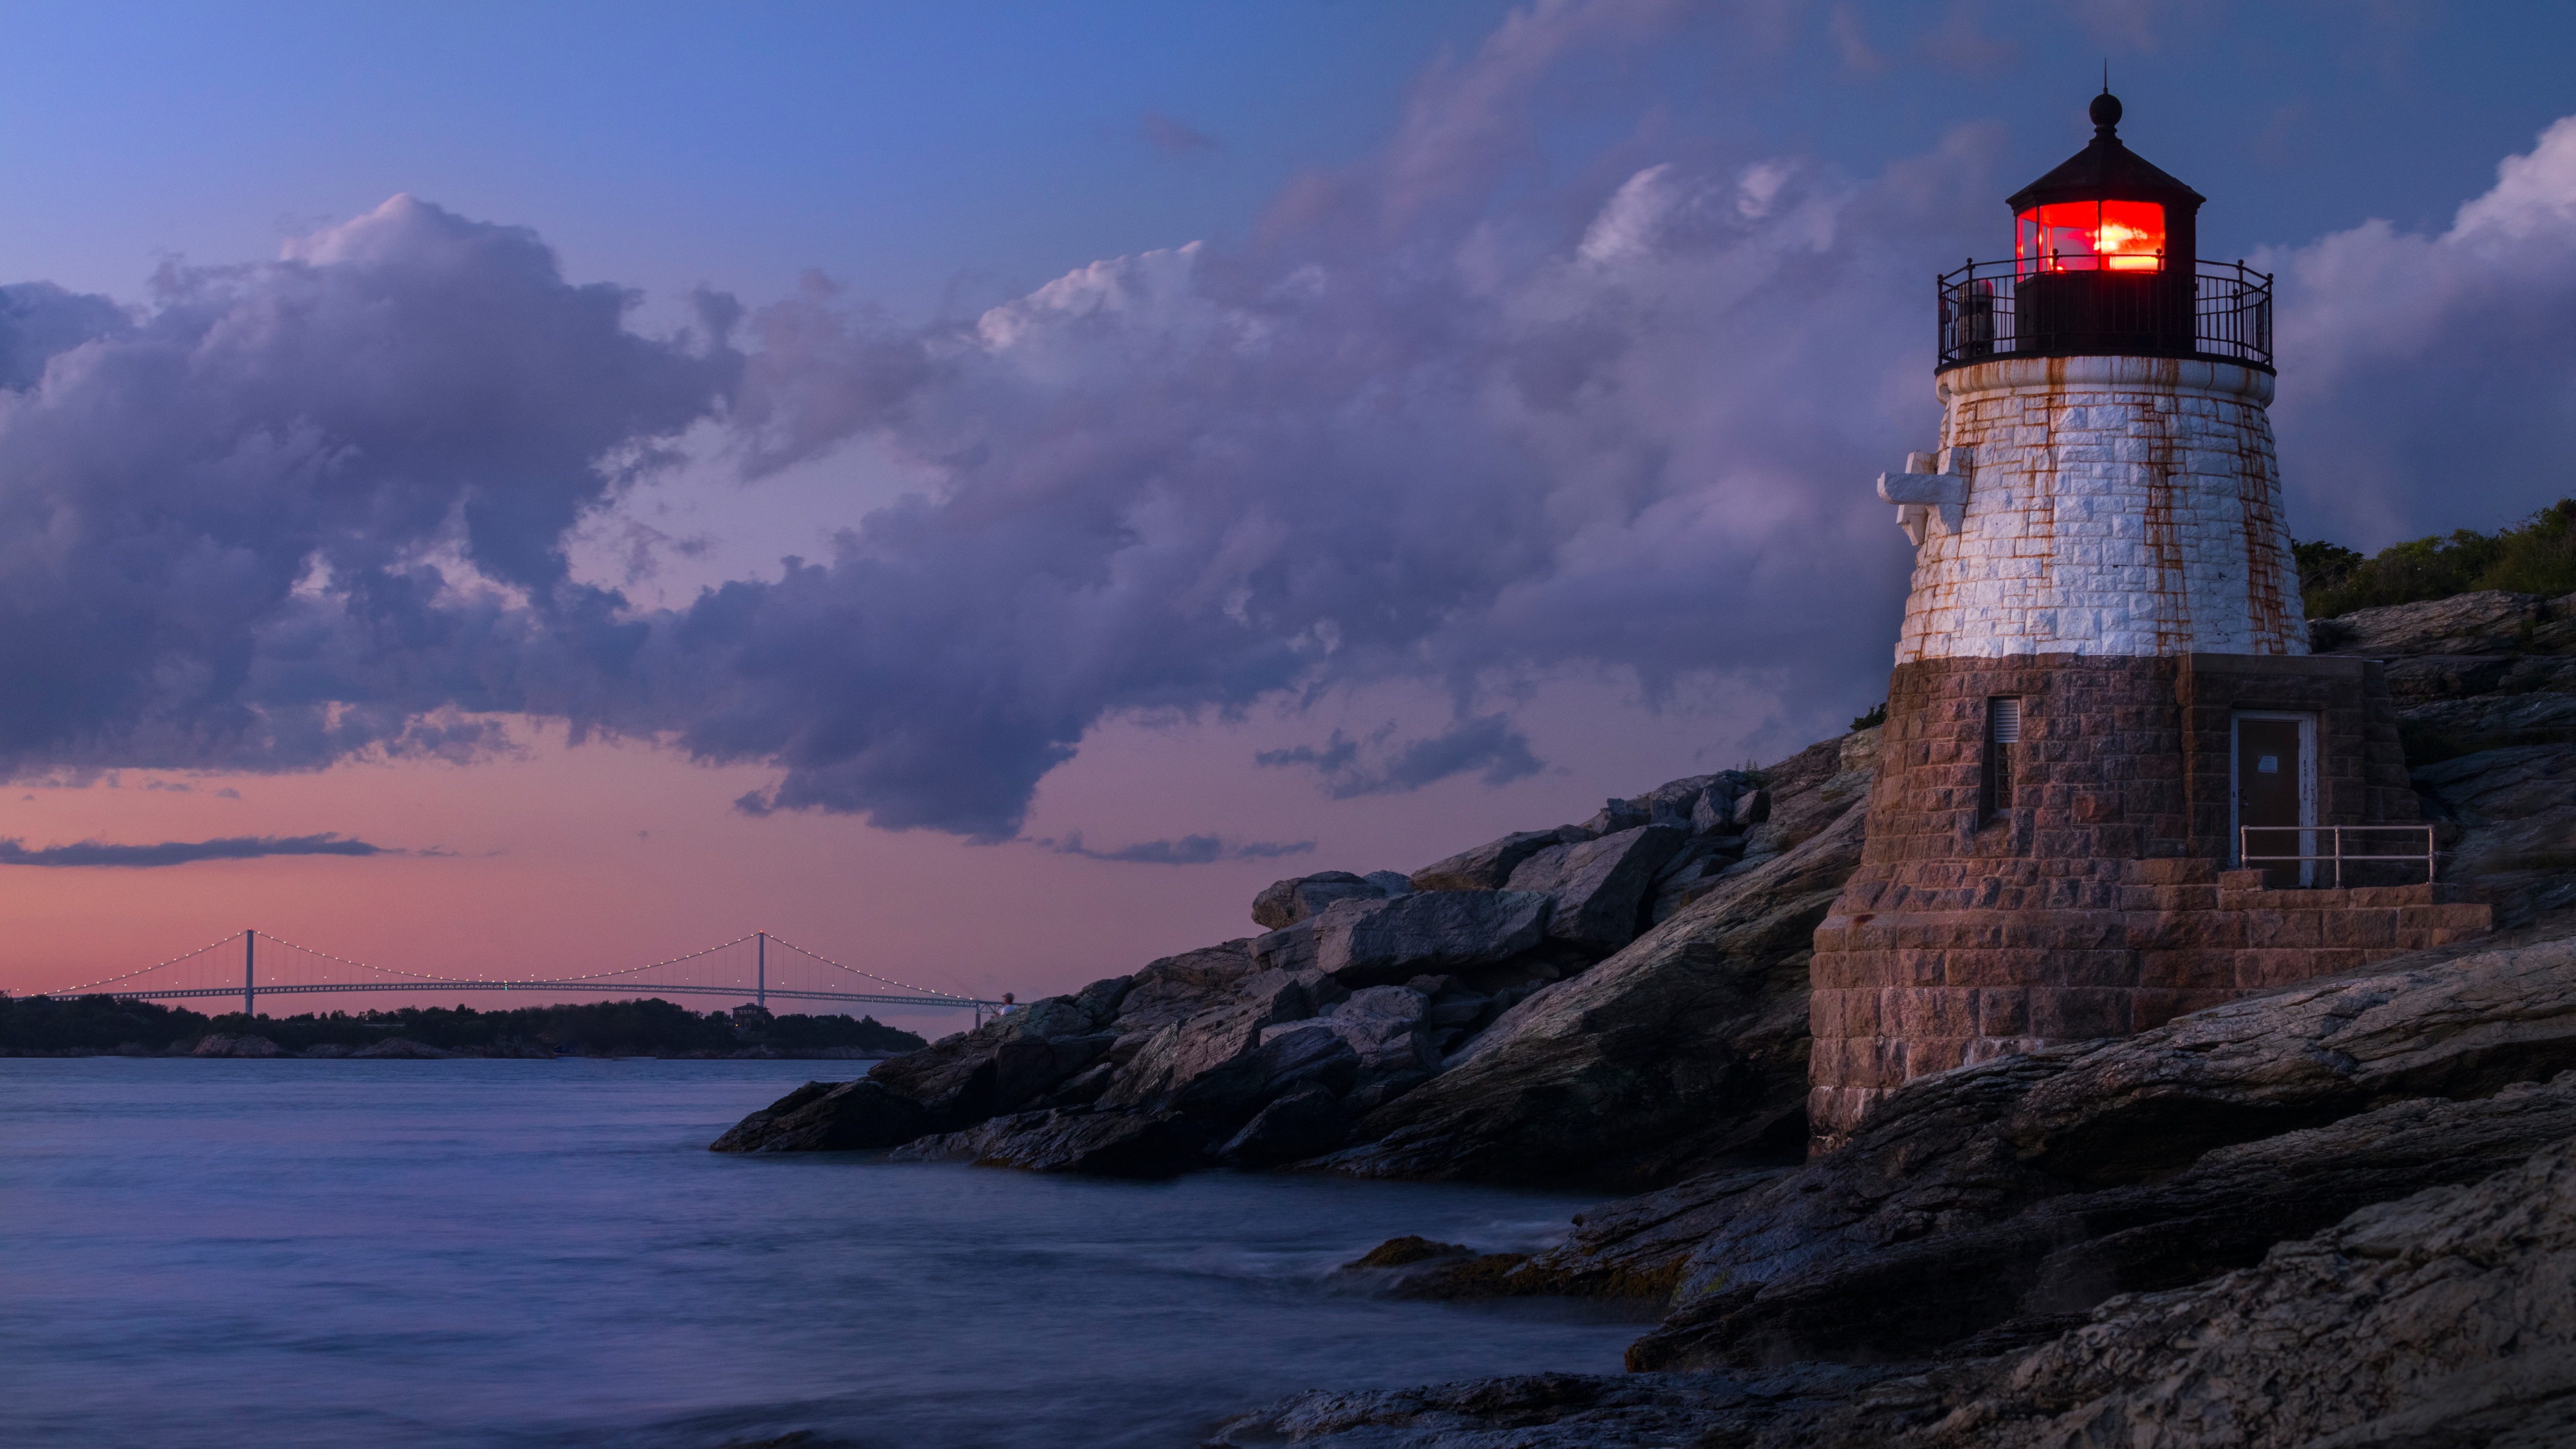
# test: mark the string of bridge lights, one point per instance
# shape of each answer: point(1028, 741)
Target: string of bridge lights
point(430, 980)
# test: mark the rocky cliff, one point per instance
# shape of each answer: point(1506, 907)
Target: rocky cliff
point(2338, 1213)
point(1619, 1002)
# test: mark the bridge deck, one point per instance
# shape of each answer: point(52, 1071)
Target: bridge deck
point(433, 988)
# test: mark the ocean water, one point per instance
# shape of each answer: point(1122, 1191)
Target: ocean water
point(539, 1253)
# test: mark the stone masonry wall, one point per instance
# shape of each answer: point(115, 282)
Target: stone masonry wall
point(2100, 903)
point(2116, 506)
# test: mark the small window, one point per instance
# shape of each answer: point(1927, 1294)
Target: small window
point(2003, 732)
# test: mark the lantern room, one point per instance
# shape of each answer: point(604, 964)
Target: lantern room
point(2105, 209)
point(2104, 263)
point(2089, 236)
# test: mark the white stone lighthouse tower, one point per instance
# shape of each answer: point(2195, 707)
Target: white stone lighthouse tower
point(2102, 680)
point(2107, 483)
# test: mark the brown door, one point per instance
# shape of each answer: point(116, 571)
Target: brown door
point(2269, 797)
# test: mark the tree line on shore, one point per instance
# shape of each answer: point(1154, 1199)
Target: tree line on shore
point(2534, 556)
point(649, 1026)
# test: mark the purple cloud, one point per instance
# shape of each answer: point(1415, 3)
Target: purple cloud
point(1445, 417)
point(1187, 850)
point(1487, 745)
point(184, 852)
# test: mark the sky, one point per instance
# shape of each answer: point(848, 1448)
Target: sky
point(980, 489)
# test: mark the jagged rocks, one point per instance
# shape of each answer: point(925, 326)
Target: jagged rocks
point(1286, 902)
point(1384, 1028)
point(2486, 622)
point(1380, 942)
point(2036, 1186)
point(2445, 1319)
point(1489, 866)
point(1566, 1411)
point(2104, 1244)
point(830, 1117)
point(1374, 988)
point(2441, 1320)
point(1597, 887)
point(2489, 724)
point(1686, 1049)
point(1301, 1124)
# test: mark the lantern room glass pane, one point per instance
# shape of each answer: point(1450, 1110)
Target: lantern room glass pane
point(2069, 236)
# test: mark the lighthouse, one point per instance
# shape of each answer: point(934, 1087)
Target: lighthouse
point(2113, 784)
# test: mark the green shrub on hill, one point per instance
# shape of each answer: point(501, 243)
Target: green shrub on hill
point(2535, 556)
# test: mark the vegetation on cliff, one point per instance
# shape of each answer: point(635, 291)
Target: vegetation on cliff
point(2535, 556)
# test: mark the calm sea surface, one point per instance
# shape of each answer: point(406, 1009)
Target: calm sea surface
point(543, 1253)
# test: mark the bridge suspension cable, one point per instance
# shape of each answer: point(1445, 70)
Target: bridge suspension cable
point(327, 972)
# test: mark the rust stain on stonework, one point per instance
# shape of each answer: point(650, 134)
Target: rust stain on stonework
point(2267, 611)
point(2171, 593)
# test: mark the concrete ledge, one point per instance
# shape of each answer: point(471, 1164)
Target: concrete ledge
point(2056, 374)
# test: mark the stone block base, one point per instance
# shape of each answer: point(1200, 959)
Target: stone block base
point(2098, 904)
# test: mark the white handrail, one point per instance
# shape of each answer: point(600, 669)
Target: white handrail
point(2245, 847)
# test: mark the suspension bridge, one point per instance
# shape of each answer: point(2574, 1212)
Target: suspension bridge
point(251, 964)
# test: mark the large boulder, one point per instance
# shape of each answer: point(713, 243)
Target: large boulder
point(1489, 866)
point(1380, 942)
point(2486, 622)
point(1177, 988)
point(1286, 902)
point(1292, 1057)
point(1385, 1027)
point(1598, 888)
point(1161, 1063)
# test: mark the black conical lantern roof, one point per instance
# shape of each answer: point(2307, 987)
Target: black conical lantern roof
point(2107, 171)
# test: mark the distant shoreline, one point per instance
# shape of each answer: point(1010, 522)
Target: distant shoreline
point(825, 1054)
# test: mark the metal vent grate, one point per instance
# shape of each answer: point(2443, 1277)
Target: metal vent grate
point(2003, 718)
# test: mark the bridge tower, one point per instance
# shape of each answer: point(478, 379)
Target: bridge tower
point(2102, 676)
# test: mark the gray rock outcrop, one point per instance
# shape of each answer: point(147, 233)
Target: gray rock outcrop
point(1489, 866)
point(1378, 942)
point(2486, 691)
point(2341, 1214)
point(1681, 1050)
point(1286, 902)
point(2445, 1319)
point(1597, 888)
point(1684, 1051)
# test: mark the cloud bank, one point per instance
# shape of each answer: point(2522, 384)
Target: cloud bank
point(1187, 850)
point(1449, 415)
point(184, 852)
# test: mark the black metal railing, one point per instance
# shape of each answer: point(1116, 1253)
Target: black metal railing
point(2220, 311)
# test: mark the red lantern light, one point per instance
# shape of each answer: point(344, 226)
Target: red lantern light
point(2091, 236)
